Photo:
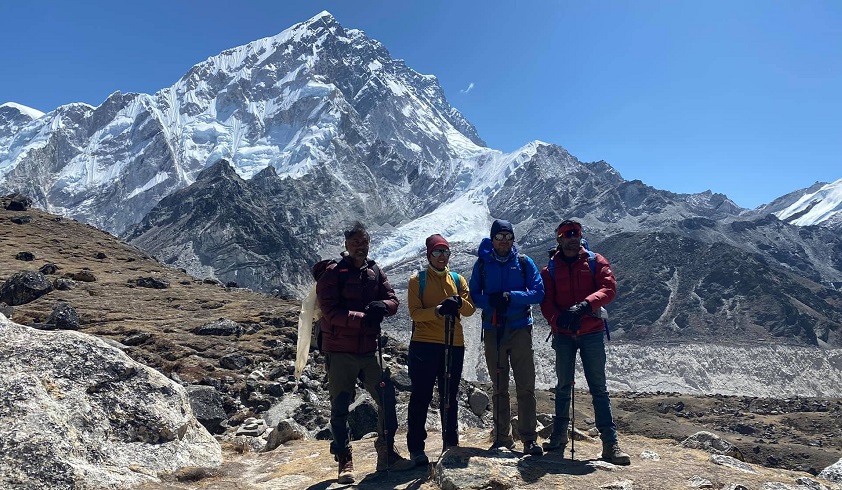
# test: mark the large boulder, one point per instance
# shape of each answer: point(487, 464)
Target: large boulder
point(24, 287)
point(833, 472)
point(79, 413)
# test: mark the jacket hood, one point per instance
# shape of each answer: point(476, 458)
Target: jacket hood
point(486, 250)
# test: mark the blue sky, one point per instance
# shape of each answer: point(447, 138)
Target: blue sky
point(739, 97)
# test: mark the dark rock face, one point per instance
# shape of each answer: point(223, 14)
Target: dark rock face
point(206, 403)
point(64, 317)
point(21, 220)
point(18, 202)
point(64, 284)
point(362, 417)
point(152, 282)
point(24, 287)
point(48, 269)
point(234, 361)
point(25, 256)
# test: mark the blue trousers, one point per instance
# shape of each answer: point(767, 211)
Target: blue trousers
point(426, 368)
point(591, 349)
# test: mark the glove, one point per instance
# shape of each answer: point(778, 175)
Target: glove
point(499, 301)
point(374, 313)
point(580, 309)
point(450, 306)
point(564, 319)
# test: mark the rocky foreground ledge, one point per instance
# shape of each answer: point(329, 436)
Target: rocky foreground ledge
point(79, 413)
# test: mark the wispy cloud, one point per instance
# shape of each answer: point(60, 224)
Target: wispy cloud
point(470, 86)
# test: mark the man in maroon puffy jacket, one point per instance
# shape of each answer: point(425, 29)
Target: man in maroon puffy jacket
point(354, 296)
point(573, 291)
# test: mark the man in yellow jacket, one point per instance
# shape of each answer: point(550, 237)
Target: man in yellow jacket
point(437, 298)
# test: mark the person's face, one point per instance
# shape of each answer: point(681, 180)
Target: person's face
point(357, 247)
point(570, 239)
point(502, 243)
point(439, 257)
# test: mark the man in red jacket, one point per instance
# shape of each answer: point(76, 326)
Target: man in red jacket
point(573, 292)
point(354, 296)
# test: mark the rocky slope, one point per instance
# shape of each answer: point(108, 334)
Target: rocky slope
point(246, 359)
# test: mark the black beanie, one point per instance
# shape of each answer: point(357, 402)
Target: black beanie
point(501, 225)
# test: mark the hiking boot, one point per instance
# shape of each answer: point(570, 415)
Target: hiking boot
point(556, 441)
point(388, 458)
point(510, 445)
point(346, 468)
point(420, 458)
point(529, 447)
point(612, 453)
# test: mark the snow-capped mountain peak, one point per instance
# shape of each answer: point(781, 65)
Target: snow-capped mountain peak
point(823, 206)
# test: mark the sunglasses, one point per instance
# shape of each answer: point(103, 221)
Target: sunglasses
point(573, 233)
point(439, 252)
point(504, 236)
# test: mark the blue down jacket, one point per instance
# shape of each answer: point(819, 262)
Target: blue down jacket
point(491, 276)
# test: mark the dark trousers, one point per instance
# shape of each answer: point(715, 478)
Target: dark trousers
point(426, 368)
point(343, 372)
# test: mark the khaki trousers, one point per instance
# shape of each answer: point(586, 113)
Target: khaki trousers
point(516, 354)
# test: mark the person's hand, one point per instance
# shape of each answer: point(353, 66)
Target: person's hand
point(500, 300)
point(450, 306)
point(580, 309)
point(374, 313)
point(564, 319)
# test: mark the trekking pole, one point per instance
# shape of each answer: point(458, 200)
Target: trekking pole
point(573, 412)
point(575, 328)
point(449, 327)
point(498, 339)
point(381, 343)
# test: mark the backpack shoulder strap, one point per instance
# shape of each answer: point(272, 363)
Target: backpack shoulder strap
point(422, 283)
point(456, 281)
point(592, 263)
point(523, 262)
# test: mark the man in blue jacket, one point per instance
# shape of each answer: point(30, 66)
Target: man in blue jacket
point(506, 285)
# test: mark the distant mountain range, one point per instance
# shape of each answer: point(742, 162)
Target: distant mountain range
point(247, 168)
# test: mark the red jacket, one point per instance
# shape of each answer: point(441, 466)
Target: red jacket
point(574, 283)
point(342, 325)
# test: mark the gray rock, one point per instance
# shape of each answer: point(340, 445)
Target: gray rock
point(223, 326)
point(810, 483)
point(24, 287)
point(92, 417)
point(64, 317)
point(152, 282)
point(833, 472)
point(48, 269)
point(6, 310)
point(479, 401)
point(137, 338)
point(234, 361)
point(252, 427)
point(82, 276)
point(206, 404)
point(286, 430)
point(697, 481)
point(362, 417)
point(712, 443)
point(21, 220)
point(619, 485)
point(25, 256)
point(473, 468)
point(730, 462)
point(64, 284)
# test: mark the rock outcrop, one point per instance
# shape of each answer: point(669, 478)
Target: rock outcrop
point(78, 413)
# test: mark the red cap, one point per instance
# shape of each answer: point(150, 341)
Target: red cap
point(436, 241)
